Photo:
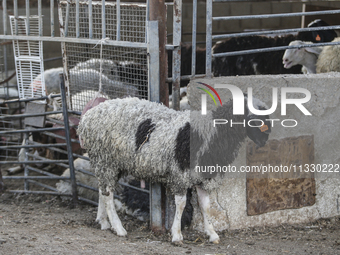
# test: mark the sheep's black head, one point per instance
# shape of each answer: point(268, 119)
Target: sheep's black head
point(258, 127)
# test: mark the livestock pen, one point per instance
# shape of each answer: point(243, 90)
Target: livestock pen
point(134, 46)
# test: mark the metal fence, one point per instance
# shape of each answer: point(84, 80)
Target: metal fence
point(107, 43)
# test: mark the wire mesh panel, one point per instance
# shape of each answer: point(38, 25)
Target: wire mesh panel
point(28, 58)
point(123, 70)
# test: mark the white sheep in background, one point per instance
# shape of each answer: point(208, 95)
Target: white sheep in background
point(306, 57)
point(314, 59)
point(109, 67)
point(329, 58)
point(152, 142)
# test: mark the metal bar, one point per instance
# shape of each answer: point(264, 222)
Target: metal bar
point(32, 146)
point(73, 40)
point(30, 130)
point(88, 201)
point(208, 39)
point(86, 186)
point(153, 50)
point(40, 18)
point(90, 20)
point(26, 170)
point(29, 99)
point(303, 17)
point(15, 6)
point(38, 192)
point(193, 39)
point(103, 20)
point(77, 19)
point(59, 136)
point(43, 185)
point(133, 187)
point(41, 171)
point(155, 206)
point(118, 19)
point(67, 18)
point(52, 17)
point(279, 15)
point(28, 115)
point(68, 140)
point(4, 22)
point(28, 32)
point(186, 77)
point(176, 55)
point(35, 177)
point(36, 162)
point(291, 30)
point(244, 52)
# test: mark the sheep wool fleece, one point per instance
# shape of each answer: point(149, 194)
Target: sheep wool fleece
point(148, 141)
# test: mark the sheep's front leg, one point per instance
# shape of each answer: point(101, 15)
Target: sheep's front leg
point(180, 202)
point(113, 216)
point(101, 213)
point(204, 202)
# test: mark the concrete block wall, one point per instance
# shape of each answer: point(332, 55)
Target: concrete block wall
point(229, 201)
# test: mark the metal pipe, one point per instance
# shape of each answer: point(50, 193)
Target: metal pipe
point(291, 30)
point(208, 39)
point(59, 136)
point(244, 52)
point(28, 31)
point(32, 146)
point(15, 6)
point(193, 39)
point(30, 130)
point(176, 54)
point(77, 19)
point(68, 141)
point(279, 15)
point(103, 20)
point(41, 171)
point(74, 40)
point(28, 115)
point(43, 185)
point(35, 177)
point(67, 18)
point(118, 19)
point(38, 192)
point(40, 18)
point(24, 100)
point(90, 20)
point(52, 17)
point(36, 162)
point(4, 22)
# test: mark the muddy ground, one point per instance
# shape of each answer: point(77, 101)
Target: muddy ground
point(35, 224)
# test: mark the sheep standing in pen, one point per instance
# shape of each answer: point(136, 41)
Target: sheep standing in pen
point(109, 67)
point(314, 59)
point(150, 141)
point(306, 56)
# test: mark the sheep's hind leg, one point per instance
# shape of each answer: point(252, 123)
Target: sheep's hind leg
point(204, 202)
point(101, 213)
point(113, 216)
point(180, 202)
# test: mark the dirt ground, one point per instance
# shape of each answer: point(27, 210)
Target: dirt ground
point(35, 224)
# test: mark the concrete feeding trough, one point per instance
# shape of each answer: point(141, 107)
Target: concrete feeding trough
point(249, 200)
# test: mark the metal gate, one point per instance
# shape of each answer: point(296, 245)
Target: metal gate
point(107, 43)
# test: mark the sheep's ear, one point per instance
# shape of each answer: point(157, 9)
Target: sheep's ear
point(313, 50)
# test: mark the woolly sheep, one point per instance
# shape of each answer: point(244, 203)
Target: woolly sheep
point(306, 56)
point(329, 58)
point(81, 77)
point(266, 62)
point(109, 67)
point(314, 59)
point(150, 141)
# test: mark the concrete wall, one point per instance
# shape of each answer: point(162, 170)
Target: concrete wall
point(229, 202)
